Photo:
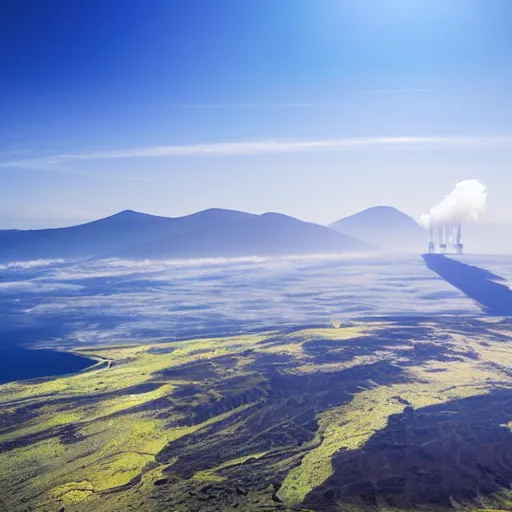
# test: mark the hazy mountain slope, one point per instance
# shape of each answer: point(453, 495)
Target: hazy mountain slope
point(267, 234)
point(213, 232)
point(80, 241)
point(385, 226)
point(104, 236)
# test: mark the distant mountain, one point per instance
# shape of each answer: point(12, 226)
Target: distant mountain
point(255, 235)
point(85, 240)
point(210, 233)
point(385, 226)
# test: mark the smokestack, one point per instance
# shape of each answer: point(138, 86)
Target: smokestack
point(442, 238)
point(459, 246)
point(431, 241)
point(466, 202)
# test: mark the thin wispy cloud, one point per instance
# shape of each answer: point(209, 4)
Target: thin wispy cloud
point(276, 146)
point(398, 91)
point(255, 105)
point(270, 147)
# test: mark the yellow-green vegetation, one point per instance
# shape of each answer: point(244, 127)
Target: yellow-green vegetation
point(72, 492)
point(350, 426)
point(210, 474)
point(261, 421)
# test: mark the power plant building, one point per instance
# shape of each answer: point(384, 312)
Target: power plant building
point(445, 238)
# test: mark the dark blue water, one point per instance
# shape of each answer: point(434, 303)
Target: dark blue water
point(18, 363)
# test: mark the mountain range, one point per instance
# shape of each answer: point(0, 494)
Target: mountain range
point(209, 233)
point(215, 233)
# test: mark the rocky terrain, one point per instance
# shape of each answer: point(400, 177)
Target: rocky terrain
point(403, 414)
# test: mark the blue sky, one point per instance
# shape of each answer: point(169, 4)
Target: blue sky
point(313, 108)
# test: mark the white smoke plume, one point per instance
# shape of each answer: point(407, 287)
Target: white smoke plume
point(466, 202)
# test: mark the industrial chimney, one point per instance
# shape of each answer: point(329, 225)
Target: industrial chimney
point(431, 241)
point(443, 238)
point(459, 246)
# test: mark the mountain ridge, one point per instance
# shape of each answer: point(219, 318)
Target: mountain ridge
point(211, 232)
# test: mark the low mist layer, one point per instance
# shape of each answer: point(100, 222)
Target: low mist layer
point(118, 301)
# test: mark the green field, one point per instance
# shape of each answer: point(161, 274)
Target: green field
point(399, 415)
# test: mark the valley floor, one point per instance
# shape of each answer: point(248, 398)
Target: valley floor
point(402, 414)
